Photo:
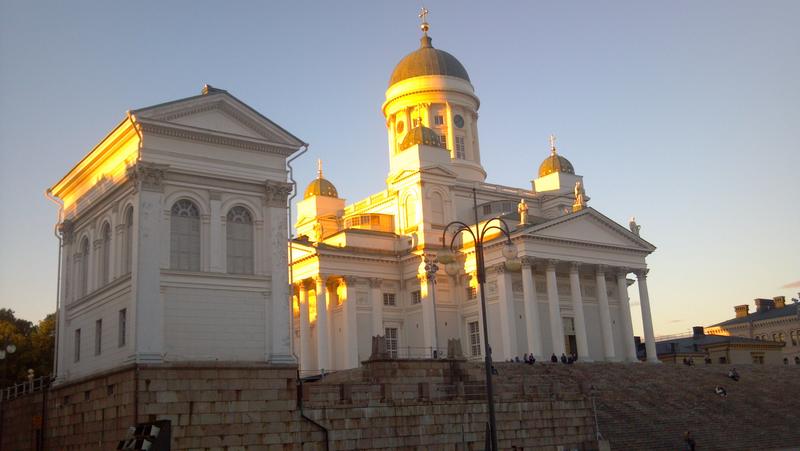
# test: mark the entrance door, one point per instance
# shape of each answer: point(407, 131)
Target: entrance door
point(570, 343)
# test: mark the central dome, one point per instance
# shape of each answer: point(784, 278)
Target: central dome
point(427, 60)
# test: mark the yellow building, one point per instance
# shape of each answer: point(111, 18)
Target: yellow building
point(359, 269)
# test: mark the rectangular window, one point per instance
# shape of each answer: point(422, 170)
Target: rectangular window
point(388, 299)
point(472, 292)
point(391, 341)
point(416, 297)
point(461, 152)
point(438, 120)
point(98, 336)
point(122, 325)
point(77, 345)
point(443, 140)
point(474, 339)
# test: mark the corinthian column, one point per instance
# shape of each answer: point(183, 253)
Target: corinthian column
point(323, 340)
point(556, 326)
point(605, 313)
point(532, 322)
point(377, 306)
point(508, 323)
point(647, 321)
point(625, 314)
point(350, 323)
point(577, 305)
point(305, 328)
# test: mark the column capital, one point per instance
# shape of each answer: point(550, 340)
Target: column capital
point(550, 264)
point(320, 279)
point(600, 269)
point(528, 262)
point(277, 193)
point(574, 267)
point(499, 268)
point(147, 176)
point(375, 282)
point(622, 271)
point(641, 273)
point(67, 230)
point(349, 280)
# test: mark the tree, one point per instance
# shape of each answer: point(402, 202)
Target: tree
point(35, 346)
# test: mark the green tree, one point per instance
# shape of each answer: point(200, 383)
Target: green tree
point(35, 346)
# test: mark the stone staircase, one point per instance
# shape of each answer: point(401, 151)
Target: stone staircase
point(650, 407)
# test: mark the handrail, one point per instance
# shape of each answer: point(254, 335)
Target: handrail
point(24, 388)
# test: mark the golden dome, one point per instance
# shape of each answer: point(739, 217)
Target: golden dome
point(427, 60)
point(421, 135)
point(555, 163)
point(320, 186)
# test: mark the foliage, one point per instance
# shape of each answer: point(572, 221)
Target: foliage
point(35, 347)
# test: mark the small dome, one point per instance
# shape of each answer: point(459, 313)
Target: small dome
point(421, 135)
point(320, 186)
point(427, 60)
point(555, 163)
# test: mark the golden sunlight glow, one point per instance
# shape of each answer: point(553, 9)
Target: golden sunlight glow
point(312, 308)
point(295, 306)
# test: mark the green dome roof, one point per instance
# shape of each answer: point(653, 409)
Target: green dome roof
point(427, 60)
point(555, 163)
point(421, 135)
point(320, 186)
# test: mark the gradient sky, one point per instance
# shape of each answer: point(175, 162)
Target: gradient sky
point(685, 114)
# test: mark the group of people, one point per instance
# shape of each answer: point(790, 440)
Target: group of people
point(530, 359)
point(732, 375)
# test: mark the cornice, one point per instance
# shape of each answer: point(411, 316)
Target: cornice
point(216, 138)
point(577, 243)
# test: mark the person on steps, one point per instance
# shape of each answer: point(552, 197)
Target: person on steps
point(553, 358)
point(689, 441)
point(563, 358)
point(733, 374)
point(720, 390)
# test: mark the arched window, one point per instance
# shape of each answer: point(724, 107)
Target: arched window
point(105, 254)
point(410, 208)
point(128, 250)
point(83, 272)
point(184, 240)
point(239, 231)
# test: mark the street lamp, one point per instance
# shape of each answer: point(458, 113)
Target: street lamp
point(431, 267)
point(7, 349)
point(447, 256)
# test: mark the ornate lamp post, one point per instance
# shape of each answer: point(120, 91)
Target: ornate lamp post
point(451, 266)
point(431, 267)
point(5, 351)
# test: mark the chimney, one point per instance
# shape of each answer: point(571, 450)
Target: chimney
point(742, 310)
point(780, 301)
point(698, 331)
point(764, 305)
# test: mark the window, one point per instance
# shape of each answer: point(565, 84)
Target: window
point(443, 140)
point(83, 284)
point(474, 339)
point(128, 251)
point(472, 292)
point(416, 297)
point(389, 299)
point(793, 337)
point(758, 359)
point(77, 345)
point(391, 341)
point(122, 326)
point(438, 120)
point(98, 336)
point(240, 241)
point(723, 360)
point(185, 236)
point(105, 254)
point(461, 153)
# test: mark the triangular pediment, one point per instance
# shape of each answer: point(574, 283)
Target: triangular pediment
point(220, 113)
point(590, 227)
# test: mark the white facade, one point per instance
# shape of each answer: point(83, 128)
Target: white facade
point(173, 240)
point(358, 270)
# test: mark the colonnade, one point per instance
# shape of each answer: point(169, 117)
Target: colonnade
point(533, 329)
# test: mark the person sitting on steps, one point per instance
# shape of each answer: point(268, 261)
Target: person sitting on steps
point(553, 358)
point(563, 358)
point(733, 374)
point(720, 390)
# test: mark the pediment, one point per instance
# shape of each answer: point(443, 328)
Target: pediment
point(590, 227)
point(219, 113)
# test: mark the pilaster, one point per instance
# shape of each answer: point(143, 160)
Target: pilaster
point(279, 306)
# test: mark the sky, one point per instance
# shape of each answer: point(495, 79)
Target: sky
point(684, 114)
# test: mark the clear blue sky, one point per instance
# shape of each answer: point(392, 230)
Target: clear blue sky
point(685, 114)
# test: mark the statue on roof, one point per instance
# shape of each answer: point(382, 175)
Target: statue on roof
point(633, 226)
point(580, 197)
point(522, 209)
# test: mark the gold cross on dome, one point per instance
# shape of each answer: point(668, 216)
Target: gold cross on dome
point(423, 14)
point(553, 142)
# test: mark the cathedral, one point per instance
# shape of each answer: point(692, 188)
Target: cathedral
point(556, 271)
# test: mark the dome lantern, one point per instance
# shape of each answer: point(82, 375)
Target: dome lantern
point(555, 162)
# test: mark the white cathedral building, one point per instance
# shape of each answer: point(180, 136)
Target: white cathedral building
point(358, 270)
point(173, 240)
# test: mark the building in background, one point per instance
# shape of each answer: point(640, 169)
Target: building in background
point(359, 269)
point(703, 347)
point(774, 320)
point(173, 240)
